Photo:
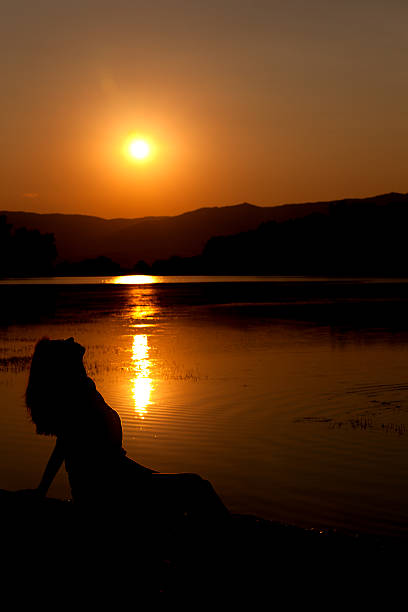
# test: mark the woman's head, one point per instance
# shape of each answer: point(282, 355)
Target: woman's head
point(56, 373)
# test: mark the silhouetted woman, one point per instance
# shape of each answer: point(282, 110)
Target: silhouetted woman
point(63, 402)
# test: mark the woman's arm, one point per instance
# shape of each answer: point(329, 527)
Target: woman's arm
point(53, 465)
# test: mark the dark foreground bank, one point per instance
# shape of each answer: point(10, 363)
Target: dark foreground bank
point(52, 546)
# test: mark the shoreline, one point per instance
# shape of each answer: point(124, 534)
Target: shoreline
point(172, 558)
point(13, 502)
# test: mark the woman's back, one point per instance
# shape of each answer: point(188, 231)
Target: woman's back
point(91, 439)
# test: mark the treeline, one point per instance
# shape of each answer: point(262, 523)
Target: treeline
point(351, 240)
point(25, 252)
point(96, 266)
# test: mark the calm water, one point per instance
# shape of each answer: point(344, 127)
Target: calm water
point(290, 395)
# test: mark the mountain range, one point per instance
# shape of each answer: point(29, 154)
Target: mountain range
point(127, 241)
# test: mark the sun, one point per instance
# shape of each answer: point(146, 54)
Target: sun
point(138, 149)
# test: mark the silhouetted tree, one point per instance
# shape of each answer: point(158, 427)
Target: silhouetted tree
point(97, 266)
point(25, 252)
point(141, 267)
point(5, 238)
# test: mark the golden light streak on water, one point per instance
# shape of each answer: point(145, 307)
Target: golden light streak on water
point(142, 308)
point(142, 383)
point(145, 311)
point(133, 279)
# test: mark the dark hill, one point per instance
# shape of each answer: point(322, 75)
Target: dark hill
point(363, 238)
point(186, 234)
point(129, 240)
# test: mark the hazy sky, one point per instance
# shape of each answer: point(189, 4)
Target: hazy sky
point(244, 100)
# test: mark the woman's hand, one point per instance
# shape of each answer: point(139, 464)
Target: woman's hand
point(53, 465)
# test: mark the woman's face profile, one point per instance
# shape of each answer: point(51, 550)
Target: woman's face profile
point(57, 353)
point(75, 345)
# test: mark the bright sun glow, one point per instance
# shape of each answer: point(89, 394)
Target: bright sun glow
point(139, 149)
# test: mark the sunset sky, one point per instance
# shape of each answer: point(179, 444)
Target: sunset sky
point(263, 101)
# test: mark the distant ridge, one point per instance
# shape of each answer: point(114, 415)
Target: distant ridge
point(150, 238)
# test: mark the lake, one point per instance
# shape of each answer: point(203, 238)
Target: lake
point(289, 394)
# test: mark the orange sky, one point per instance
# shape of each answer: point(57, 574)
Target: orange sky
point(261, 101)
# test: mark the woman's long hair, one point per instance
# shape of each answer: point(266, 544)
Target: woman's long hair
point(56, 376)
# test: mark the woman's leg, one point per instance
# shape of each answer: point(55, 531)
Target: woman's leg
point(190, 494)
point(134, 468)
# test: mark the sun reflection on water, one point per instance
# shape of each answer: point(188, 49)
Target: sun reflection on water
point(132, 279)
point(142, 384)
point(141, 314)
point(142, 311)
